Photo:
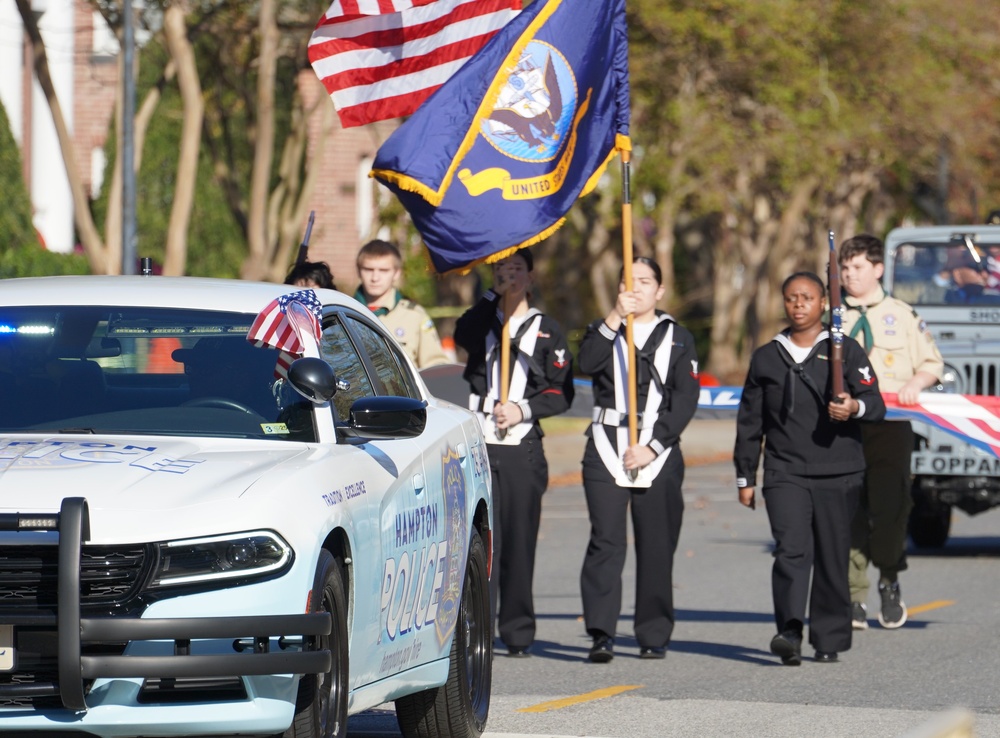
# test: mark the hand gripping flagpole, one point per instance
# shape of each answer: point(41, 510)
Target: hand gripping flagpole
point(633, 424)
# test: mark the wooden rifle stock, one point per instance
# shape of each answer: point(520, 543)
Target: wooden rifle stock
point(836, 324)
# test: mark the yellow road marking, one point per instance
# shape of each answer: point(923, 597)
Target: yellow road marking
point(597, 694)
point(930, 606)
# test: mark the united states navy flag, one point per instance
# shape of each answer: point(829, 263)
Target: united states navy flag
point(492, 161)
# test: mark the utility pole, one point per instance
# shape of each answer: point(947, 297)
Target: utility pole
point(128, 141)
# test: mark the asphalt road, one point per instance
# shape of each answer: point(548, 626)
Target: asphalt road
point(719, 678)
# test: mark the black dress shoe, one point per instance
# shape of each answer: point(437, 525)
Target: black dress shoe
point(603, 650)
point(653, 652)
point(826, 657)
point(788, 645)
point(518, 652)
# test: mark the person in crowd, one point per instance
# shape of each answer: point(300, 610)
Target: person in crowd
point(311, 274)
point(379, 268)
point(540, 385)
point(646, 475)
point(906, 359)
point(813, 468)
point(962, 277)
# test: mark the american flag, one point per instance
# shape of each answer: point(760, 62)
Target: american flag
point(282, 324)
point(381, 59)
point(973, 418)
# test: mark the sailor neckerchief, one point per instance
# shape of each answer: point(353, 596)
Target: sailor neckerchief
point(797, 369)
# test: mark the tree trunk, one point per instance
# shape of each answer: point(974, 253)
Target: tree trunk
point(182, 54)
point(93, 246)
point(113, 219)
point(255, 267)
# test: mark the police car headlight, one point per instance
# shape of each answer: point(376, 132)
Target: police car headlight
point(951, 381)
point(232, 556)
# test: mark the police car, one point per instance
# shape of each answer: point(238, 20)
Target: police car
point(205, 534)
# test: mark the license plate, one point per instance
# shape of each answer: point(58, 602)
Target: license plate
point(8, 656)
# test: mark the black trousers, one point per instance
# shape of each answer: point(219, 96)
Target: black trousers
point(811, 524)
point(520, 475)
point(656, 521)
point(878, 534)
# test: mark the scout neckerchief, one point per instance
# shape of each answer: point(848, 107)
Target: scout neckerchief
point(378, 310)
point(863, 326)
point(524, 349)
point(653, 363)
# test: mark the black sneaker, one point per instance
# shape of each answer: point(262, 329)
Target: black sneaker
point(788, 645)
point(603, 650)
point(893, 612)
point(859, 616)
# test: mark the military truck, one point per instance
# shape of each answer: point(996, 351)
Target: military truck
point(951, 276)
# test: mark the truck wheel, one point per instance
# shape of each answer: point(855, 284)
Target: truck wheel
point(321, 706)
point(930, 522)
point(458, 709)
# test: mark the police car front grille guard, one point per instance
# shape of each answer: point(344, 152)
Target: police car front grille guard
point(253, 632)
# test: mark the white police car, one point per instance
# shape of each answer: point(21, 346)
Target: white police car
point(189, 545)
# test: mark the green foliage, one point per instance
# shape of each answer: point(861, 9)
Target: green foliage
point(34, 261)
point(16, 228)
point(216, 244)
point(21, 254)
point(226, 46)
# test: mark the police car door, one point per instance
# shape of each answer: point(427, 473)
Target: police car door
point(423, 526)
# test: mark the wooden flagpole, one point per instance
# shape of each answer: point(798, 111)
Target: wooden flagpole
point(504, 356)
point(633, 424)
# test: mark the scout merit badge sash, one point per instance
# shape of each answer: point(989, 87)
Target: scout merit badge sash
point(483, 406)
point(615, 420)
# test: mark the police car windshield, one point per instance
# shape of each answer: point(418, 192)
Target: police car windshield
point(145, 371)
point(947, 273)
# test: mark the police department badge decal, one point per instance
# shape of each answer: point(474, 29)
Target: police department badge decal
point(453, 485)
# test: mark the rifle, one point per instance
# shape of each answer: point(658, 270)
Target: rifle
point(304, 246)
point(836, 325)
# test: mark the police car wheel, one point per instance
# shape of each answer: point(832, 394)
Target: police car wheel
point(460, 707)
point(321, 706)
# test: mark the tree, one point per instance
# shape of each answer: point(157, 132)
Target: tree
point(16, 229)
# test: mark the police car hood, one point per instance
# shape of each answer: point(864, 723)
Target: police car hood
point(139, 474)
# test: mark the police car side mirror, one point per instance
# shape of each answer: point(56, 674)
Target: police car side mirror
point(375, 418)
point(313, 378)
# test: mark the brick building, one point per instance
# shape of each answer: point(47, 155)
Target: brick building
point(345, 197)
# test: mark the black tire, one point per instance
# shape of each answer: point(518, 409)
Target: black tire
point(321, 706)
point(930, 522)
point(459, 708)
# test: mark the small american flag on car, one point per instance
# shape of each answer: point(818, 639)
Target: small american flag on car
point(283, 324)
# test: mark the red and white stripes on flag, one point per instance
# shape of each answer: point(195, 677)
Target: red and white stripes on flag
point(973, 418)
point(381, 59)
point(284, 323)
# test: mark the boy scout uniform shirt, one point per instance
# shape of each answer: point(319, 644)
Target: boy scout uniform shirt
point(413, 328)
point(901, 344)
